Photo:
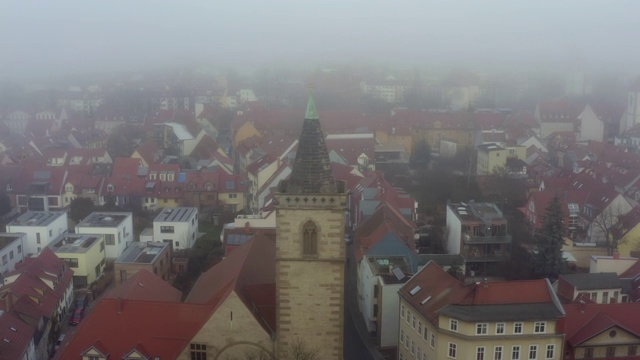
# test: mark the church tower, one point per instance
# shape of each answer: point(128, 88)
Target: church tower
point(310, 249)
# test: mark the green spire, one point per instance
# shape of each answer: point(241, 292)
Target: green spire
point(312, 113)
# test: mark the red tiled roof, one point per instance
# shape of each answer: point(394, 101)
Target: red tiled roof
point(632, 272)
point(253, 263)
point(145, 286)
point(123, 325)
point(15, 343)
point(509, 292)
point(584, 321)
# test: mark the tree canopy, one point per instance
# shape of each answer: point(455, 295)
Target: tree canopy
point(79, 208)
point(548, 260)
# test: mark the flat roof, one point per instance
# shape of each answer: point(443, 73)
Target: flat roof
point(480, 211)
point(8, 238)
point(37, 218)
point(104, 219)
point(142, 252)
point(179, 214)
point(74, 243)
point(392, 269)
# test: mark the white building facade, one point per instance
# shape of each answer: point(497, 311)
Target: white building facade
point(117, 228)
point(11, 251)
point(40, 226)
point(178, 226)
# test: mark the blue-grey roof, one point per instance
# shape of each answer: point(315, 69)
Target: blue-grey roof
point(392, 245)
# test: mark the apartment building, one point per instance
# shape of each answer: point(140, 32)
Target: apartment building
point(152, 256)
point(117, 228)
point(442, 318)
point(11, 251)
point(40, 226)
point(83, 253)
point(178, 226)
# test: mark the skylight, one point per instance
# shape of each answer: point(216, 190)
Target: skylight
point(415, 290)
point(425, 300)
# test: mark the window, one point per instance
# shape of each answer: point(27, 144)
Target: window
point(551, 350)
point(401, 336)
point(11, 255)
point(632, 350)
point(533, 352)
point(38, 238)
point(413, 348)
point(50, 232)
point(594, 296)
point(517, 328)
point(497, 353)
point(539, 327)
point(310, 241)
point(481, 328)
point(433, 340)
point(588, 353)
point(417, 353)
point(424, 333)
point(453, 349)
point(453, 325)
point(177, 244)
point(611, 351)
point(615, 296)
point(4, 259)
point(419, 327)
point(515, 352)
point(500, 328)
point(101, 246)
point(166, 229)
point(605, 297)
point(97, 270)
point(19, 249)
point(110, 239)
point(413, 321)
point(198, 351)
point(71, 262)
point(233, 196)
point(402, 311)
point(480, 353)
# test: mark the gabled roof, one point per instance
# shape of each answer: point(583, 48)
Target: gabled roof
point(248, 271)
point(145, 286)
point(165, 328)
point(584, 321)
point(15, 336)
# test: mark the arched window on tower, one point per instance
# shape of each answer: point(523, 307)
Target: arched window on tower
point(310, 239)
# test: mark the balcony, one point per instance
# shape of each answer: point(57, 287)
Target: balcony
point(470, 240)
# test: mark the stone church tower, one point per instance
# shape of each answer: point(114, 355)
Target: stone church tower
point(310, 249)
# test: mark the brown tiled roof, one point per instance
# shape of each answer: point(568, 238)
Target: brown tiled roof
point(145, 286)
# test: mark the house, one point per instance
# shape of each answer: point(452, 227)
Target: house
point(117, 228)
point(231, 192)
point(83, 253)
point(40, 226)
point(152, 256)
point(557, 116)
point(600, 288)
point(478, 232)
point(177, 226)
point(11, 253)
point(18, 337)
point(615, 263)
point(601, 331)
point(446, 319)
point(40, 188)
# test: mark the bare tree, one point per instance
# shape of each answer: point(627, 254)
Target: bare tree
point(605, 225)
point(298, 350)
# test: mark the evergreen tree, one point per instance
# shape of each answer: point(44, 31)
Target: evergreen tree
point(548, 260)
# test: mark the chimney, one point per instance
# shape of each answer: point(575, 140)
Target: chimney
point(246, 227)
point(616, 254)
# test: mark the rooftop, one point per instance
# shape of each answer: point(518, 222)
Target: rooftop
point(104, 219)
point(37, 218)
point(485, 212)
point(392, 269)
point(142, 252)
point(6, 239)
point(593, 281)
point(180, 214)
point(74, 243)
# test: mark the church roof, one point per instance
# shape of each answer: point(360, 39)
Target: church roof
point(312, 166)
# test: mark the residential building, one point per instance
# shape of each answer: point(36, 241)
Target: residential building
point(599, 331)
point(117, 228)
point(83, 253)
point(40, 226)
point(615, 263)
point(11, 251)
point(600, 288)
point(478, 232)
point(152, 256)
point(18, 340)
point(442, 318)
point(178, 226)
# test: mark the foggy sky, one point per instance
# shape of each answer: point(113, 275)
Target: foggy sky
point(71, 36)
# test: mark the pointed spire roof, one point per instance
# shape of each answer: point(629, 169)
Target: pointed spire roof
point(312, 168)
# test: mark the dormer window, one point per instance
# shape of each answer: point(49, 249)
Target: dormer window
point(9, 187)
point(152, 175)
point(110, 188)
point(170, 176)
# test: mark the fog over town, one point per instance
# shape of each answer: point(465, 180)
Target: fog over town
point(319, 180)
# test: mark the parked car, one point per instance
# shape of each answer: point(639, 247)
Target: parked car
point(58, 342)
point(76, 317)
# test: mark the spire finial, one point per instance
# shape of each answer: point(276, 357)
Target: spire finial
point(312, 113)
